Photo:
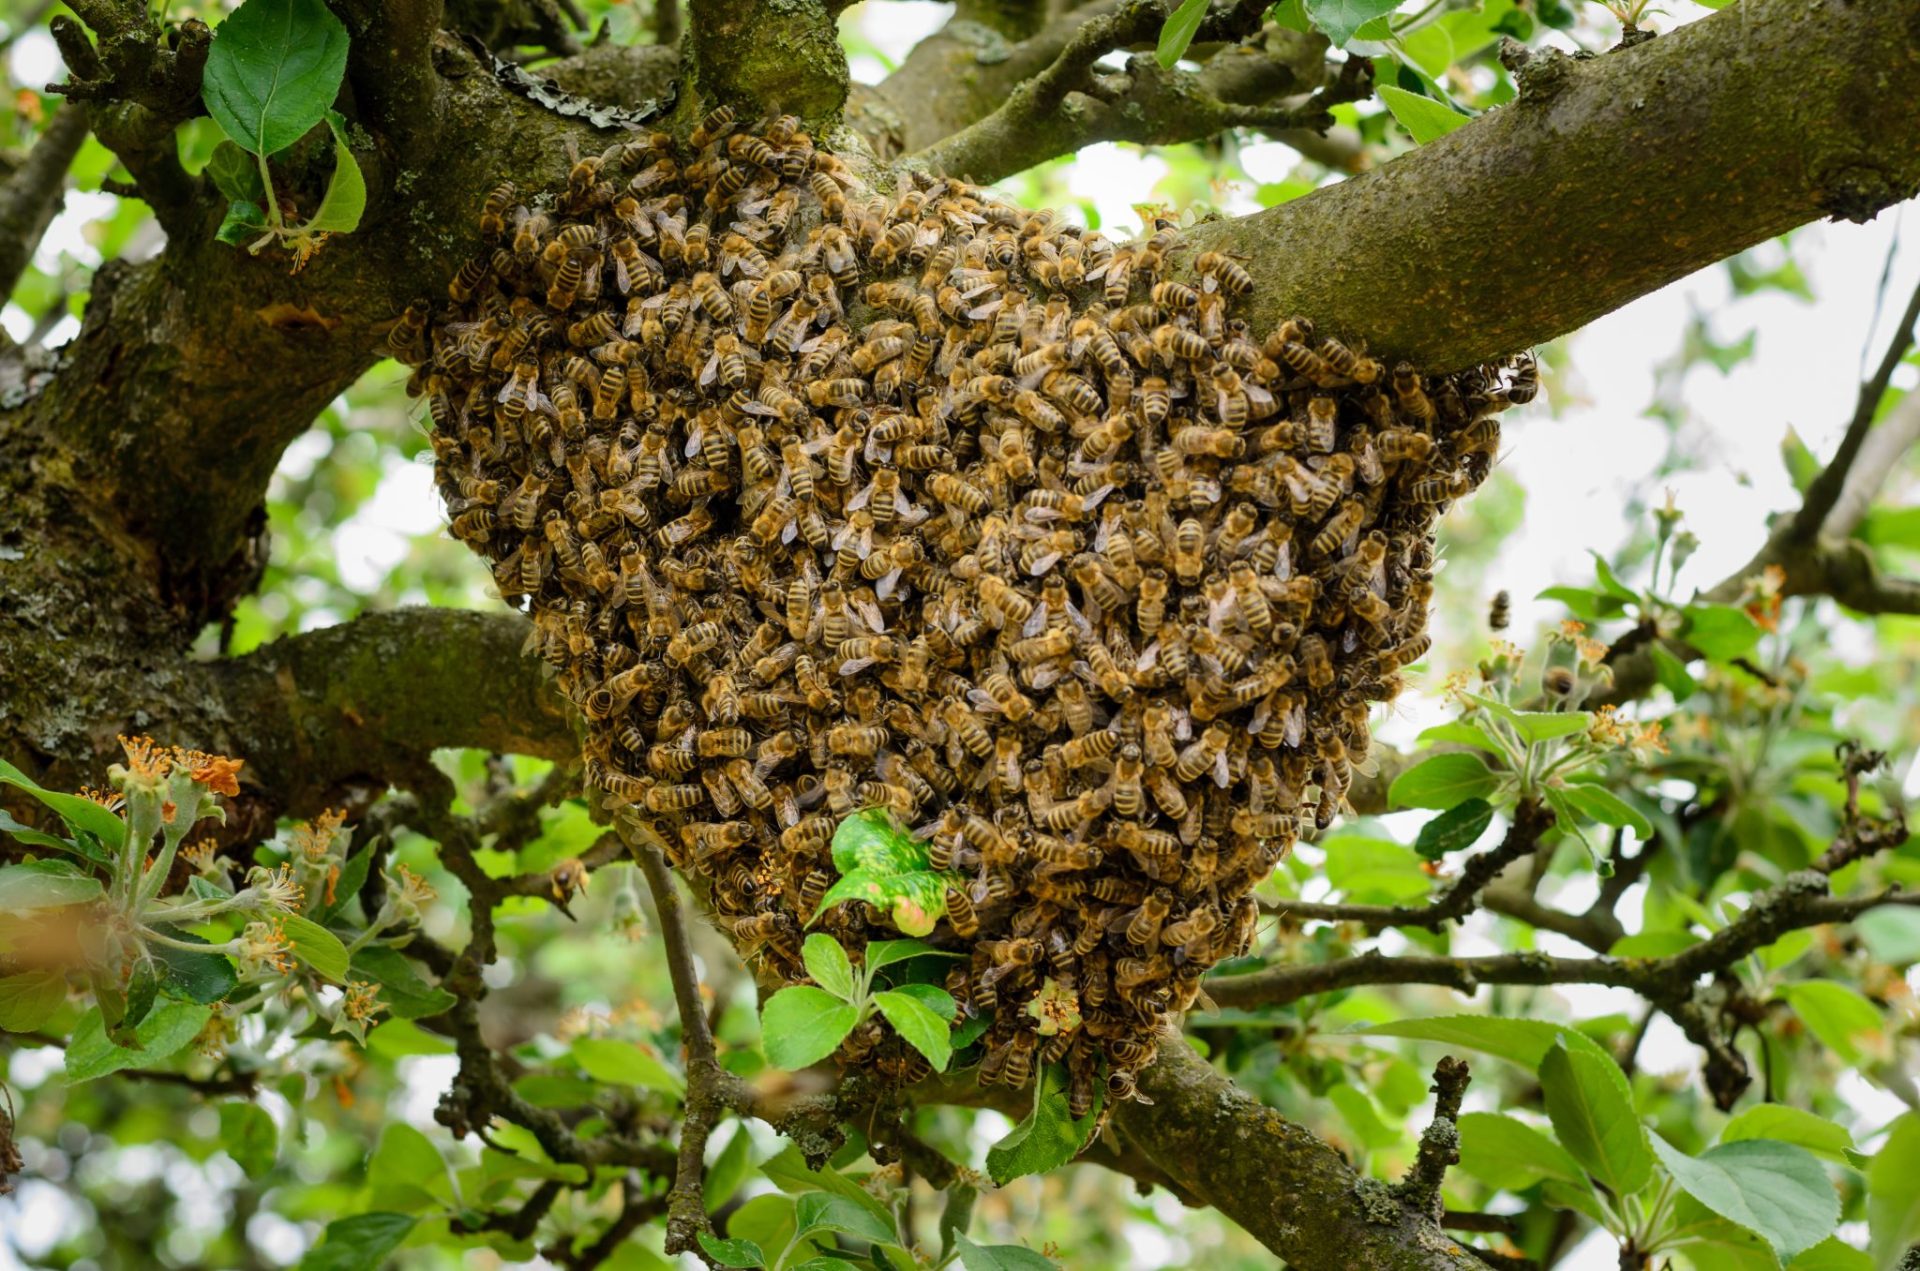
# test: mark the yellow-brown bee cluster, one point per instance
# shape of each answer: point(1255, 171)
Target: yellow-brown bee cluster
point(825, 499)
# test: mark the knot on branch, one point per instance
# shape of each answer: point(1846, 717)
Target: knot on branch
point(137, 62)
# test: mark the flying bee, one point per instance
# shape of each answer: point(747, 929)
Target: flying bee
point(1500, 612)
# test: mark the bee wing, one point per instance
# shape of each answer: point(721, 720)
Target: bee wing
point(853, 666)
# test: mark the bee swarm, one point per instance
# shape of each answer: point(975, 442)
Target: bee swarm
point(825, 499)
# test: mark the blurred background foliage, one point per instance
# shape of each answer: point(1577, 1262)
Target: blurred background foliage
point(121, 1173)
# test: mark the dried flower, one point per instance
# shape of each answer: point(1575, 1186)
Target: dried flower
point(363, 1001)
point(216, 772)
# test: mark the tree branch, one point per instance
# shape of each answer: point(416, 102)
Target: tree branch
point(1292, 1192)
point(32, 196)
point(766, 59)
point(1657, 159)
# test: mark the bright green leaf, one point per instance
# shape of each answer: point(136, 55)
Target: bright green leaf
point(1442, 782)
point(1510, 1154)
point(789, 1172)
point(624, 1063)
point(917, 1025)
point(407, 1159)
point(274, 69)
point(881, 953)
point(1519, 1041)
point(28, 1001)
point(1775, 1189)
point(1893, 1202)
point(801, 1026)
point(828, 965)
point(1459, 733)
point(346, 197)
point(1600, 804)
point(1594, 1118)
point(1891, 933)
point(1047, 1139)
point(1178, 31)
point(729, 1169)
point(1835, 1013)
point(236, 174)
point(319, 948)
point(975, 1257)
point(823, 1211)
point(1427, 119)
point(1672, 672)
point(1789, 1125)
point(733, 1253)
point(1721, 632)
point(1340, 19)
point(871, 840)
point(167, 1029)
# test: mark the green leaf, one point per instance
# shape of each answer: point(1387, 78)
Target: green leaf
point(1609, 581)
point(913, 901)
point(823, 1211)
point(1801, 463)
point(314, 945)
point(1442, 782)
point(1833, 1012)
point(801, 1026)
point(790, 1172)
point(1672, 672)
point(732, 1253)
point(399, 1038)
point(39, 838)
point(1580, 602)
point(1047, 1139)
point(917, 1025)
point(402, 990)
point(359, 1243)
point(1775, 1189)
point(1893, 1202)
point(1831, 1255)
point(1178, 31)
point(274, 69)
point(1891, 933)
point(871, 840)
point(1370, 869)
point(236, 174)
point(78, 813)
point(346, 198)
point(1600, 804)
point(975, 1257)
point(244, 222)
point(347, 886)
point(1537, 726)
point(1789, 1125)
point(1510, 1154)
point(933, 997)
point(1454, 830)
point(28, 1001)
point(1460, 733)
point(729, 1169)
point(767, 1220)
point(956, 1215)
point(1721, 632)
point(166, 1030)
point(1519, 1041)
point(1594, 1118)
point(250, 1137)
point(1427, 119)
point(143, 986)
point(1339, 19)
point(828, 965)
point(881, 953)
point(46, 885)
point(198, 977)
point(623, 1063)
point(406, 1159)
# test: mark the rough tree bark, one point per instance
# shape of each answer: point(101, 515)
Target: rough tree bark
point(133, 471)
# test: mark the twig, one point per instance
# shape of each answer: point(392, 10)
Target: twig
point(1825, 490)
point(32, 196)
point(1530, 821)
point(709, 1087)
point(1439, 1142)
point(1493, 1224)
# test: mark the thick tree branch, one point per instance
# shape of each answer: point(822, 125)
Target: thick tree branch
point(762, 58)
point(1656, 160)
point(391, 71)
point(1292, 1192)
